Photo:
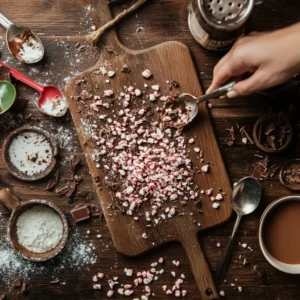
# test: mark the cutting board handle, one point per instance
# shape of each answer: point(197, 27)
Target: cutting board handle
point(199, 267)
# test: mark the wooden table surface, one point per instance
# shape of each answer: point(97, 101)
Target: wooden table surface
point(61, 25)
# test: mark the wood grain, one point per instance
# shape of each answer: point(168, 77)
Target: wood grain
point(163, 20)
point(168, 61)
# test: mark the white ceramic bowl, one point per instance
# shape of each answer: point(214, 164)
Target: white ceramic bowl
point(287, 268)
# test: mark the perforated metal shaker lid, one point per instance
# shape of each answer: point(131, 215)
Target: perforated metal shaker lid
point(226, 14)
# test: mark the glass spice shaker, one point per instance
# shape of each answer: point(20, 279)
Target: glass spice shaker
point(216, 24)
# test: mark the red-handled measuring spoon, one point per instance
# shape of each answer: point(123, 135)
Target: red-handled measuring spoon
point(51, 102)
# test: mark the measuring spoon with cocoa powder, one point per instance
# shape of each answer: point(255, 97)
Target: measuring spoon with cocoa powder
point(22, 43)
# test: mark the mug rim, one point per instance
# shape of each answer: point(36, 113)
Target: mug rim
point(284, 267)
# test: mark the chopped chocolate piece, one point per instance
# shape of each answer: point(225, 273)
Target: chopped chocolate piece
point(4, 73)
point(83, 193)
point(260, 171)
point(230, 143)
point(72, 188)
point(61, 191)
point(231, 132)
point(77, 45)
point(125, 69)
point(109, 49)
point(51, 184)
point(74, 163)
point(2, 297)
point(174, 83)
point(270, 128)
point(246, 134)
point(260, 272)
point(80, 213)
point(17, 283)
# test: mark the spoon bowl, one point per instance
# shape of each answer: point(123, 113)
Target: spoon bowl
point(16, 35)
point(50, 94)
point(191, 102)
point(246, 196)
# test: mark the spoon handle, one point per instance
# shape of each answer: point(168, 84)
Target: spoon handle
point(23, 78)
point(5, 22)
point(223, 90)
point(223, 266)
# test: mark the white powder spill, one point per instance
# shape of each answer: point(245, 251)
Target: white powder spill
point(78, 255)
point(39, 229)
point(31, 51)
point(30, 153)
point(54, 106)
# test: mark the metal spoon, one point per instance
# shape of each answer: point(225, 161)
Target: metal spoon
point(12, 32)
point(49, 95)
point(191, 102)
point(245, 199)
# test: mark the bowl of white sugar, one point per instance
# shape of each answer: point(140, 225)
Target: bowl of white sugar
point(38, 229)
point(29, 153)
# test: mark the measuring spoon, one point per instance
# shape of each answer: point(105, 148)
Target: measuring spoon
point(245, 199)
point(49, 95)
point(16, 36)
point(7, 96)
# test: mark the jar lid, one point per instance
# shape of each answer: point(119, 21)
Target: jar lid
point(226, 14)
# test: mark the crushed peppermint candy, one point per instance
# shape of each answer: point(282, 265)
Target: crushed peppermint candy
point(147, 73)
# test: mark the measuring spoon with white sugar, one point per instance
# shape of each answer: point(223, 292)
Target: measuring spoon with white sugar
point(22, 43)
point(51, 102)
point(17, 208)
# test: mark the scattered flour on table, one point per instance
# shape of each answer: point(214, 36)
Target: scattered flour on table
point(39, 229)
point(30, 153)
point(78, 255)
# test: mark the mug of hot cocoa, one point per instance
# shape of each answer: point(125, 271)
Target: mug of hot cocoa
point(279, 237)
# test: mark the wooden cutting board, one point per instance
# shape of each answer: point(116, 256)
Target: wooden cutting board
point(168, 61)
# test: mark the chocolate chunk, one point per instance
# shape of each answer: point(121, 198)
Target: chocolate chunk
point(51, 184)
point(72, 188)
point(74, 163)
point(2, 297)
point(61, 191)
point(260, 171)
point(174, 83)
point(4, 73)
point(260, 272)
point(17, 283)
point(80, 213)
point(125, 69)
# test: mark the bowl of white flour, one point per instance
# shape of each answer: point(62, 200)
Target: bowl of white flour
point(29, 153)
point(38, 229)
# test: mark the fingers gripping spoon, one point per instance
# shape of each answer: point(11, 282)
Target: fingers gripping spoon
point(51, 102)
point(18, 37)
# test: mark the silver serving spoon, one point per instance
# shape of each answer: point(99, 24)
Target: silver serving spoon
point(14, 34)
point(191, 102)
point(245, 199)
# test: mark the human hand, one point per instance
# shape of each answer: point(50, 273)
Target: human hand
point(271, 58)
